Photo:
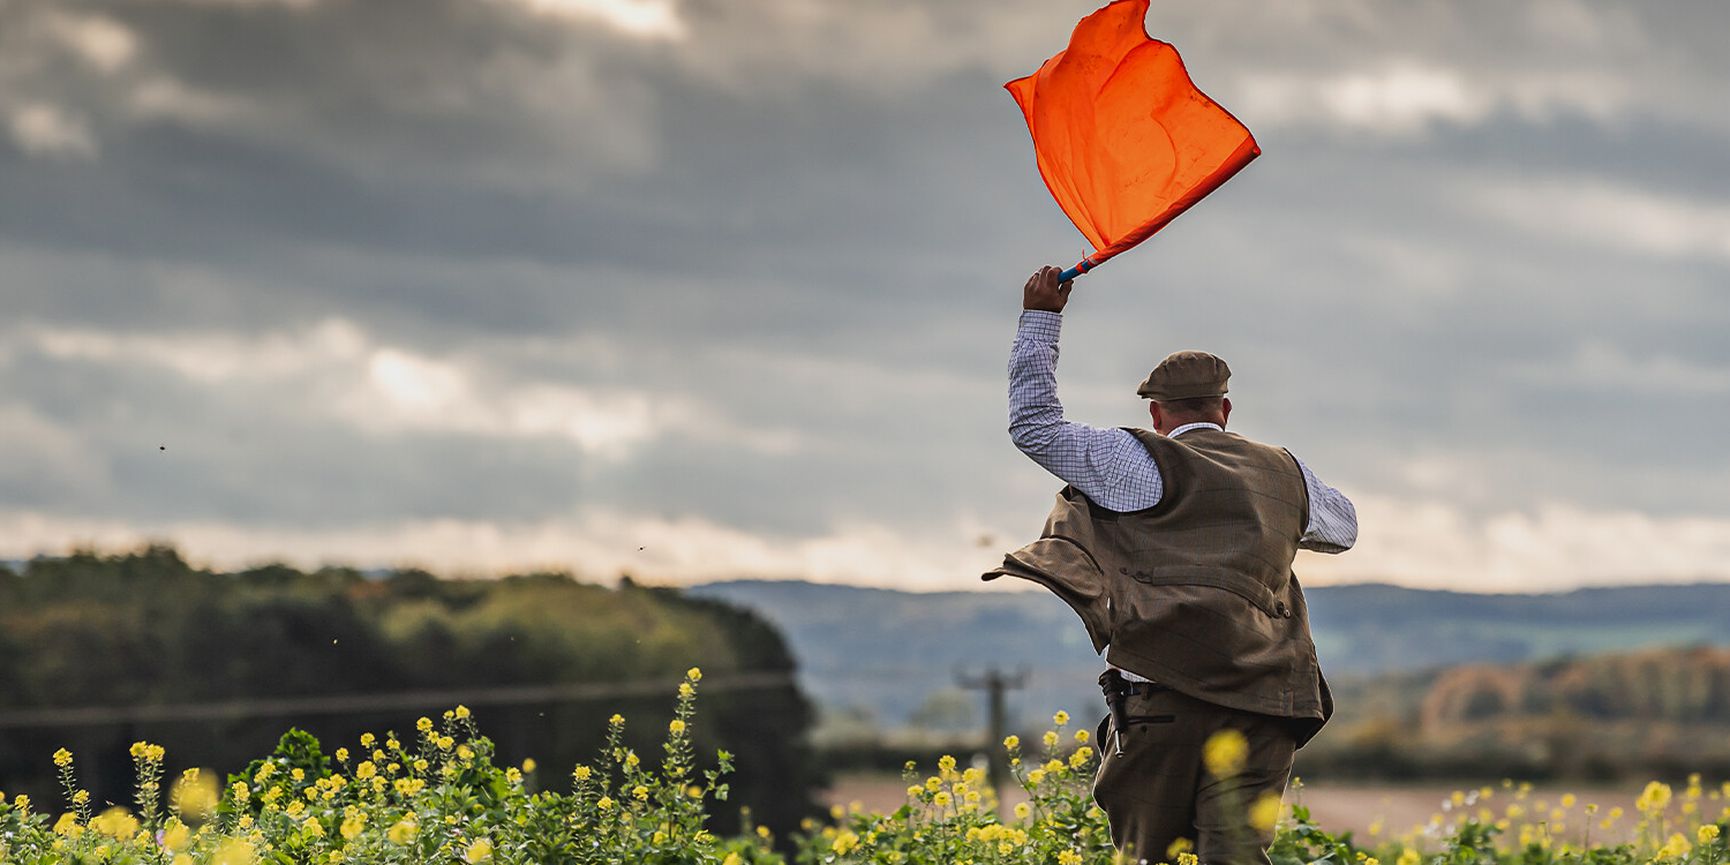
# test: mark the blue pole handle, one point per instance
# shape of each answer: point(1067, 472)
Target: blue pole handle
point(1080, 268)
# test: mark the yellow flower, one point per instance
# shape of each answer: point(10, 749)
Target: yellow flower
point(1036, 776)
point(480, 851)
point(912, 792)
point(1022, 810)
point(732, 859)
point(424, 725)
point(1675, 848)
point(946, 763)
point(68, 826)
point(675, 726)
point(342, 755)
point(605, 804)
point(1265, 812)
point(462, 711)
point(115, 823)
point(366, 740)
point(694, 674)
point(1068, 857)
point(1410, 856)
point(1080, 757)
point(942, 799)
point(1050, 739)
point(403, 831)
point(845, 843)
point(146, 751)
point(529, 765)
point(62, 758)
point(1082, 736)
point(312, 827)
point(1656, 797)
point(1061, 718)
point(1568, 800)
point(234, 851)
point(1224, 753)
point(641, 793)
point(177, 836)
point(365, 770)
point(1187, 859)
point(582, 773)
point(1707, 833)
point(1179, 847)
point(352, 825)
point(1011, 742)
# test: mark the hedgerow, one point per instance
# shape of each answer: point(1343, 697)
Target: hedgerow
point(437, 795)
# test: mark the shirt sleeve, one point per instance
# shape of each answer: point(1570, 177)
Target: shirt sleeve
point(1107, 465)
point(1333, 525)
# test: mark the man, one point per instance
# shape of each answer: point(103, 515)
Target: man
point(1175, 546)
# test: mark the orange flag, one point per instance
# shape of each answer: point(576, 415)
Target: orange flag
point(1123, 138)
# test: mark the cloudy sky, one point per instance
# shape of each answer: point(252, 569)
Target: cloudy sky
point(714, 288)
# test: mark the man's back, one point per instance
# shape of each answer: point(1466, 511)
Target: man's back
point(1196, 592)
point(1232, 508)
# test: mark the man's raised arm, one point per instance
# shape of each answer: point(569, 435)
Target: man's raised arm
point(1097, 461)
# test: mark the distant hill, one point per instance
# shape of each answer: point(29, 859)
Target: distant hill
point(895, 654)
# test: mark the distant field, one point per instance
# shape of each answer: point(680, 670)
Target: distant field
point(1339, 807)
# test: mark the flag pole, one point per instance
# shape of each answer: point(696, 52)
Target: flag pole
point(1080, 268)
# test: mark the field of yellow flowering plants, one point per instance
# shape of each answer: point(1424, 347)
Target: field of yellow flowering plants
point(437, 796)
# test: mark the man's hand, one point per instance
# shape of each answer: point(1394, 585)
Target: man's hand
point(1043, 291)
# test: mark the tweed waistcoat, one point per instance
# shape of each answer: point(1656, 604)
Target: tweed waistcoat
point(1197, 592)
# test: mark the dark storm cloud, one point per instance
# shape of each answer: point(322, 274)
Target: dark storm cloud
point(802, 228)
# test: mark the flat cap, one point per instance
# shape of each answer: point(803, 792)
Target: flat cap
point(1186, 375)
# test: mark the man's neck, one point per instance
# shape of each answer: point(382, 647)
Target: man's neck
point(1200, 424)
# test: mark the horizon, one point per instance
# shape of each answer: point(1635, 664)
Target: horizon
point(564, 570)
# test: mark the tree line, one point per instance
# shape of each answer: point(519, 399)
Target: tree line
point(145, 628)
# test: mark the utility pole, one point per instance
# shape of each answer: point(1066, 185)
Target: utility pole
point(995, 683)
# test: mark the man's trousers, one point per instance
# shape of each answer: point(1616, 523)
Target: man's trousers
point(1159, 791)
